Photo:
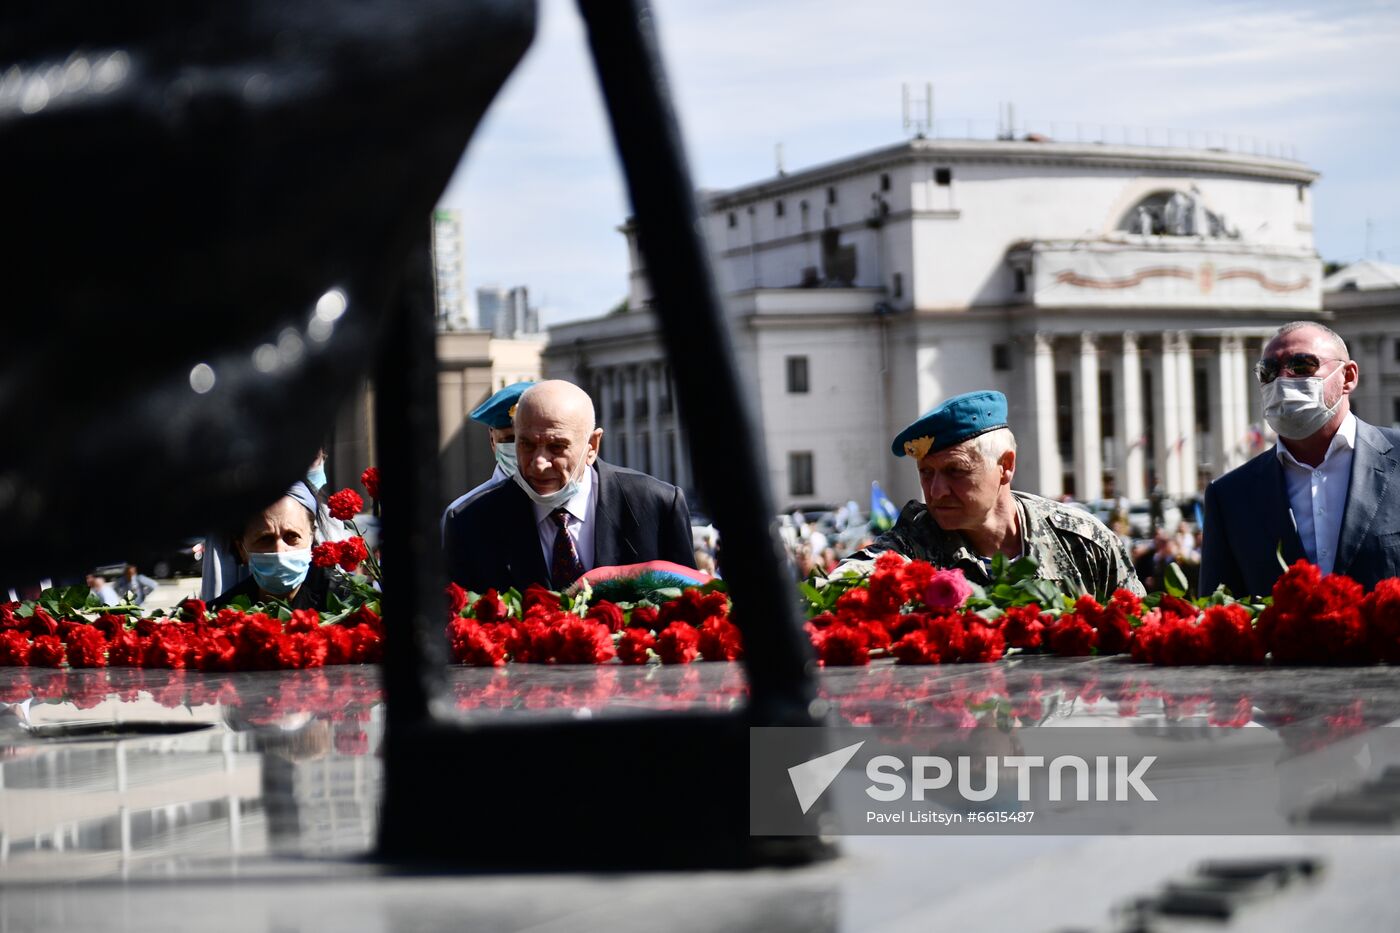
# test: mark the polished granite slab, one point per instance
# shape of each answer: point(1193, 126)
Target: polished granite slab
point(137, 799)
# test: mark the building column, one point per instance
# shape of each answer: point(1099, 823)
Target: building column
point(1166, 413)
point(653, 390)
point(1131, 447)
point(1227, 408)
point(1045, 477)
point(1088, 437)
point(605, 397)
point(1186, 395)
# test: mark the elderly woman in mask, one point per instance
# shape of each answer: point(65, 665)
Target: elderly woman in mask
point(275, 545)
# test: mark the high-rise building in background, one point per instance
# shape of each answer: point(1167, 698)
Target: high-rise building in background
point(449, 270)
point(506, 312)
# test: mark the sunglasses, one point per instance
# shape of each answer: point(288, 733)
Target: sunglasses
point(1300, 365)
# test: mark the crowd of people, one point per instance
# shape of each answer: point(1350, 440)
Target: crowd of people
point(553, 509)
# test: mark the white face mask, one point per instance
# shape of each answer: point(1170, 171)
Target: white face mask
point(551, 500)
point(1295, 407)
point(505, 459)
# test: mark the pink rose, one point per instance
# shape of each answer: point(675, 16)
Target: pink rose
point(947, 590)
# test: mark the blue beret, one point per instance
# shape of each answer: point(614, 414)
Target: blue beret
point(498, 411)
point(953, 422)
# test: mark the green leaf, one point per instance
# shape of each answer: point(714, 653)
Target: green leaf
point(813, 594)
point(998, 565)
point(1278, 555)
point(1024, 568)
point(240, 602)
point(1175, 581)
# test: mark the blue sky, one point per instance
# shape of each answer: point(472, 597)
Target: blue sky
point(542, 195)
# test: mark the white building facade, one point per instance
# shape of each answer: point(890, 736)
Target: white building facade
point(1363, 301)
point(1117, 295)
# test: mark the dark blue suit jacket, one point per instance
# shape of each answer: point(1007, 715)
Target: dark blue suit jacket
point(492, 540)
point(1248, 517)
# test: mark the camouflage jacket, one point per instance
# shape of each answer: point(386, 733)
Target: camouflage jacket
point(1073, 549)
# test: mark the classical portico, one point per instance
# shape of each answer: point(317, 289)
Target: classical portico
point(1180, 407)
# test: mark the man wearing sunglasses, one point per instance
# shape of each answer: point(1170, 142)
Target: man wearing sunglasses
point(1322, 493)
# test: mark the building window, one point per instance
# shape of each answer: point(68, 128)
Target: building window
point(831, 195)
point(644, 451)
point(1001, 357)
point(777, 208)
point(797, 374)
point(622, 457)
point(733, 219)
point(1020, 281)
point(800, 473)
point(884, 181)
point(942, 176)
point(1397, 351)
point(1301, 189)
point(1395, 412)
point(1202, 388)
point(898, 290)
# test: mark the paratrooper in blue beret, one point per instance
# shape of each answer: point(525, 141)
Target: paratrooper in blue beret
point(497, 413)
point(966, 457)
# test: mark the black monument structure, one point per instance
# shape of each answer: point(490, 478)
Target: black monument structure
point(217, 226)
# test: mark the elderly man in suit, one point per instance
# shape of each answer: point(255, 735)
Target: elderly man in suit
point(1325, 492)
point(566, 511)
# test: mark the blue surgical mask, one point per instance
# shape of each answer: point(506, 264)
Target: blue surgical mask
point(551, 500)
point(317, 476)
point(505, 459)
point(280, 572)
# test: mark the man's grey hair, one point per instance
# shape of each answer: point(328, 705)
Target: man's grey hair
point(993, 444)
point(1329, 333)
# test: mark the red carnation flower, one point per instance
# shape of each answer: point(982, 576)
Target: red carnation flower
point(981, 642)
point(1022, 627)
point(1381, 612)
point(339, 644)
point(345, 505)
point(352, 553)
point(126, 649)
point(86, 647)
point(456, 599)
point(582, 641)
point(916, 648)
point(304, 620)
point(1314, 619)
point(473, 644)
point(14, 648)
point(646, 617)
point(842, 645)
point(193, 610)
point(326, 554)
point(720, 640)
point(1071, 637)
point(370, 480)
point(47, 651)
point(489, 607)
point(1230, 633)
point(633, 645)
point(678, 643)
point(609, 614)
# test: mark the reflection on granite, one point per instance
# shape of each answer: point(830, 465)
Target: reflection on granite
point(95, 782)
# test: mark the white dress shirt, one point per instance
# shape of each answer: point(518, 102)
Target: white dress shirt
point(1318, 495)
point(582, 507)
